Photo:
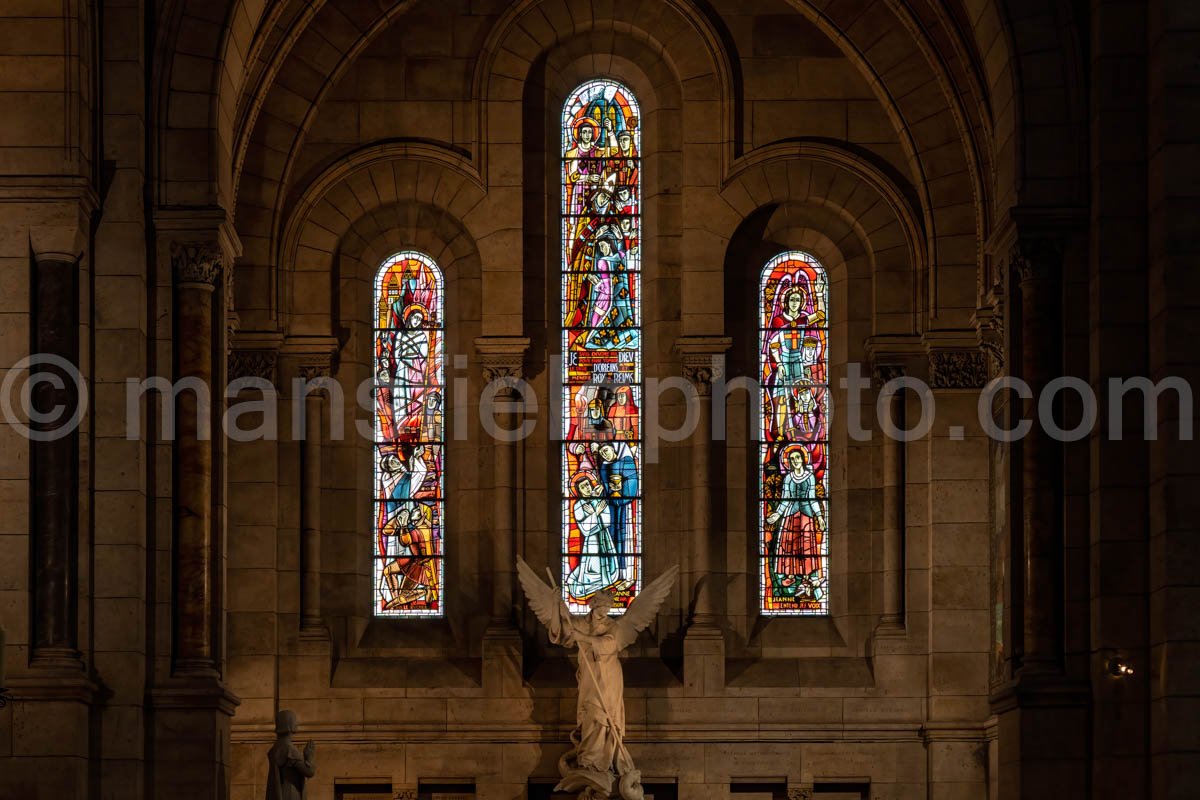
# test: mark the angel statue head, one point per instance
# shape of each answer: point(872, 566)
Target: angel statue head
point(601, 603)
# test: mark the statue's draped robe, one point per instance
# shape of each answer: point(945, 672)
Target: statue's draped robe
point(600, 718)
point(287, 771)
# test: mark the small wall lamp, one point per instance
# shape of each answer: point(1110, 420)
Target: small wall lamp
point(1118, 667)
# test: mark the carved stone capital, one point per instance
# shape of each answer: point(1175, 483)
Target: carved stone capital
point(497, 368)
point(502, 357)
point(958, 369)
point(701, 374)
point(883, 373)
point(1037, 258)
point(314, 368)
point(405, 794)
point(263, 364)
point(703, 359)
point(800, 794)
point(196, 262)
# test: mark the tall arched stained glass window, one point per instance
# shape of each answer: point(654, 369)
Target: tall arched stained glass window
point(409, 434)
point(794, 444)
point(601, 345)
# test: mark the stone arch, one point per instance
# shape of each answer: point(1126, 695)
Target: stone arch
point(649, 74)
point(915, 87)
point(408, 223)
point(368, 179)
point(706, 70)
point(1029, 54)
point(808, 222)
point(268, 146)
point(881, 216)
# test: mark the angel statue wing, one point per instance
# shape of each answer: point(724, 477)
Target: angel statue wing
point(642, 610)
point(545, 601)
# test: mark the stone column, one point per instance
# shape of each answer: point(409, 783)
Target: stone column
point(192, 706)
point(703, 360)
point(1038, 265)
point(502, 359)
point(892, 620)
point(54, 464)
point(311, 623)
point(1042, 713)
point(197, 271)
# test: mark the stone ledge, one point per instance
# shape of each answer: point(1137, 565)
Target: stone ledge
point(640, 673)
point(831, 673)
point(407, 673)
point(182, 694)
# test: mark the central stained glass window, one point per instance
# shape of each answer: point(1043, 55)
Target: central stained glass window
point(794, 457)
point(601, 345)
point(409, 437)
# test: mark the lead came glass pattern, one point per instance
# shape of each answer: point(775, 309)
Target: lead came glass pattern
point(409, 437)
point(601, 345)
point(794, 443)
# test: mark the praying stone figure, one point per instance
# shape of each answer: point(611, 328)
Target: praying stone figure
point(287, 767)
point(598, 753)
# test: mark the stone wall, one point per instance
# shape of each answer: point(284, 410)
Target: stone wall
point(203, 188)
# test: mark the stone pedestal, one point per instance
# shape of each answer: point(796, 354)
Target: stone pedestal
point(191, 722)
point(51, 712)
point(1042, 752)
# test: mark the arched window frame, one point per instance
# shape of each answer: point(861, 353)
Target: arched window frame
point(794, 456)
point(601, 416)
point(408, 453)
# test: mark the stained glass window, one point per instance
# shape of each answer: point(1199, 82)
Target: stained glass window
point(601, 345)
point(794, 443)
point(409, 434)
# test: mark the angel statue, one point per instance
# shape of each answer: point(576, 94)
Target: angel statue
point(598, 738)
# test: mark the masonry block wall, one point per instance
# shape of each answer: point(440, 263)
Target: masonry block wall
point(200, 188)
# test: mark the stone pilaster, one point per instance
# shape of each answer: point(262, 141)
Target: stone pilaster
point(1037, 263)
point(891, 621)
point(312, 369)
point(1042, 715)
point(49, 693)
point(703, 362)
point(502, 362)
point(313, 360)
point(54, 463)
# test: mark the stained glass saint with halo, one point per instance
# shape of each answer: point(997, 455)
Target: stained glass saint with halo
point(601, 344)
point(409, 452)
point(793, 506)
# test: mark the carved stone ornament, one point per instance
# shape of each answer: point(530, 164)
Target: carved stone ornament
point(701, 371)
point(196, 262)
point(499, 367)
point(406, 794)
point(887, 372)
point(800, 794)
point(958, 369)
point(253, 364)
point(311, 371)
point(1037, 258)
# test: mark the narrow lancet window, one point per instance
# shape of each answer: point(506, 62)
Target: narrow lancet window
point(601, 345)
point(794, 437)
point(409, 437)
